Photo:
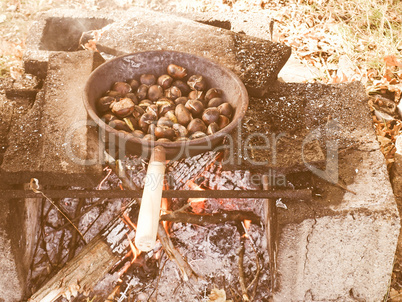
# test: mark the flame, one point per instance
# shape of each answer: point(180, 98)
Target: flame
point(158, 254)
point(247, 224)
point(136, 252)
point(128, 221)
point(164, 207)
point(133, 249)
point(197, 204)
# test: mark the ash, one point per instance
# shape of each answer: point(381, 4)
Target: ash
point(58, 241)
point(212, 252)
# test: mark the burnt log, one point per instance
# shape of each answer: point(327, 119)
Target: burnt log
point(80, 274)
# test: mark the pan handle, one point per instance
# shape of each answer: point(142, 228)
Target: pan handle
point(148, 217)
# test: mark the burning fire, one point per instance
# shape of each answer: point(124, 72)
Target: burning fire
point(134, 250)
point(247, 224)
point(164, 207)
point(197, 204)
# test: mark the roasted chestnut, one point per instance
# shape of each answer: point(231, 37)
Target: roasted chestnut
point(164, 140)
point(173, 92)
point(196, 125)
point(148, 79)
point(104, 104)
point(213, 93)
point(149, 137)
point(108, 117)
point(152, 109)
point(145, 103)
point(223, 121)
point(184, 88)
point(171, 116)
point(197, 82)
point(142, 91)
point(123, 108)
point(181, 100)
point(212, 128)
point(164, 132)
point(164, 101)
point(183, 115)
point(197, 134)
point(197, 95)
point(226, 109)
point(165, 108)
point(119, 125)
point(134, 84)
point(195, 107)
point(155, 92)
point(176, 71)
point(215, 102)
point(210, 115)
point(180, 130)
point(138, 111)
point(114, 94)
point(151, 129)
point(122, 88)
point(133, 97)
point(165, 81)
point(145, 120)
point(164, 122)
point(138, 133)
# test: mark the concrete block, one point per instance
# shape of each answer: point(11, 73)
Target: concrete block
point(51, 142)
point(59, 30)
point(340, 246)
point(12, 286)
point(257, 62)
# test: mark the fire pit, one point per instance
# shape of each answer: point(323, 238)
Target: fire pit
point(344, 227)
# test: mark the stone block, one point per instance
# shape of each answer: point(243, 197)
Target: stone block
point(12, 284)
point(52, 142)
point(59, 30)
point(257, 62)
point(340, 246)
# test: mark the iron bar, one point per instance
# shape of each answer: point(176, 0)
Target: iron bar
point(302, 194)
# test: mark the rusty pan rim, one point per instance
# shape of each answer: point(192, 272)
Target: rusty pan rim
point(218, 136)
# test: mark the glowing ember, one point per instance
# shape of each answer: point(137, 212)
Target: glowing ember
point(109, 171)
point(164, 207)
point(197, 204)
point(247, 224)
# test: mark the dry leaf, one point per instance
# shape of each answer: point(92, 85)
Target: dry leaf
point(389, 75)
point(391, 60)
point(217, 295)
point(16, 72)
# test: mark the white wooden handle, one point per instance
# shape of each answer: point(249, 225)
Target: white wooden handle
point(148, 217)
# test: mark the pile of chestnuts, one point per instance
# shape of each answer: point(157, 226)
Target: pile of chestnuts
point(171, 107)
